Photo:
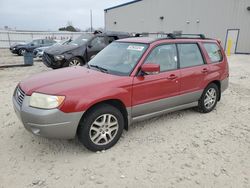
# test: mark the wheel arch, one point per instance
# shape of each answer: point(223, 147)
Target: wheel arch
point(113, 102)
point(218, 84)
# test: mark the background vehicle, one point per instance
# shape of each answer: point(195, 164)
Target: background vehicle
point(79, 51)
point(130, 80)
point(20, 49)
point(38, 52)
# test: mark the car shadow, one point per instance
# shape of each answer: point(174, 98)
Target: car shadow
point(15, 65)
point(74, 146)
point(167, 116)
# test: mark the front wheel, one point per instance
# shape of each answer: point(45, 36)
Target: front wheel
point(101, 128)
point(209, 98)
point(74, 61)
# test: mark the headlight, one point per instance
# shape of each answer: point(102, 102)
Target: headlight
point(59, 57)
point(39, 100)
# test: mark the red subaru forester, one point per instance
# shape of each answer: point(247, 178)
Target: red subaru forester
point(130, 80)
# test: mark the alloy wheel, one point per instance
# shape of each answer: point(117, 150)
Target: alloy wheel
point(104, 129)
point(74, 62)
point(22, 51)
point(210, 98)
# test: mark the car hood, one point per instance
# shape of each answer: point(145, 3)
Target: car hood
point(60, 49)
point(73, 79)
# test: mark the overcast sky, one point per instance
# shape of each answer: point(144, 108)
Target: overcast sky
point(52, 14)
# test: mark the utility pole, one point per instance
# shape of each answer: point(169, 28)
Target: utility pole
point(91, 24)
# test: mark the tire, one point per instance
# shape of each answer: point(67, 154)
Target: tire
point(21, 51)
point(209, 98)
point(74, 61)
point(101, 128)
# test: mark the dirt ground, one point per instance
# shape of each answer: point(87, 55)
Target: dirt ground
point(181, 149)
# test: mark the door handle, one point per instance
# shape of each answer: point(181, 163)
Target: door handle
point(172, 77)
point(205, 70)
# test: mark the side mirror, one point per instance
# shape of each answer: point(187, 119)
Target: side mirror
point(90, 46)
point(32, 44)
point(150, 68)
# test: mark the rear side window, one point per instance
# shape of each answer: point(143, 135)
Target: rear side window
point(214, 52)
point(190, 55)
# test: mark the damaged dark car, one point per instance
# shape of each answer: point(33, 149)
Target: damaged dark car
point(79, 51)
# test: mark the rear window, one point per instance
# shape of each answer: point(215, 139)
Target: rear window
point(214, 52)
point(190, 55)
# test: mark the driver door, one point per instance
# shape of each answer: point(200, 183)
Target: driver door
point(152, 93)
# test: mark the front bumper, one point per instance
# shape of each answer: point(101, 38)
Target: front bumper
point(47, 123)
point(49, 61)
point(38, 54)
point(14, 50)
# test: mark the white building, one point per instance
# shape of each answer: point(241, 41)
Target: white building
point(222, 19)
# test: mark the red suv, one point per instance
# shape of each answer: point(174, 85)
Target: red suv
point(130, 80)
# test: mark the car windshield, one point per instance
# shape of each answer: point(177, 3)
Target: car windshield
point(82, 39)
point(118, 58)
point(62, 42)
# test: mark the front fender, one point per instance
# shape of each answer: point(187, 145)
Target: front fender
point(91, 98)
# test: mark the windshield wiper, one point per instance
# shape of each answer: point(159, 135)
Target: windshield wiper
point(99, 68)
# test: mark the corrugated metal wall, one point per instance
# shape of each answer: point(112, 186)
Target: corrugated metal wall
point(211, 17)
point(10, 37)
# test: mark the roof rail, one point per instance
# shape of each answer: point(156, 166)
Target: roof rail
point(202, 36)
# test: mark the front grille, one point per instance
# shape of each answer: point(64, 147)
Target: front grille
point(47, 59)
point(19, 95)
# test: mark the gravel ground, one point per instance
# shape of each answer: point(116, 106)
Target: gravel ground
point(181, 149)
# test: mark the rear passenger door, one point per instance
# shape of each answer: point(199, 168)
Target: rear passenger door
point(193, 70)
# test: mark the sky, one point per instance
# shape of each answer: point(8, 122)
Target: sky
point(53, 14)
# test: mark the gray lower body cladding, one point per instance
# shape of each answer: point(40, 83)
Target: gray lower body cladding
point(224, 84)
point(155, 108)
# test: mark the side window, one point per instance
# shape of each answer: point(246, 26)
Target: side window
point(190, 55)
point(98, 42)
point(36, 42)
point(165, 56)
point(214, 52)
point(46, 41)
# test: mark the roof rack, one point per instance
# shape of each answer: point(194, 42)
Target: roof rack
point(172, 35)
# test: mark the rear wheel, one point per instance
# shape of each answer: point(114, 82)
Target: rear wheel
point(101, 128)
point(74, 61)
point(209, 98)
point(22, 51)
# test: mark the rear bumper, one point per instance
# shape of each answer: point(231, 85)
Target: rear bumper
point(47, 123)
point(224, 84)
